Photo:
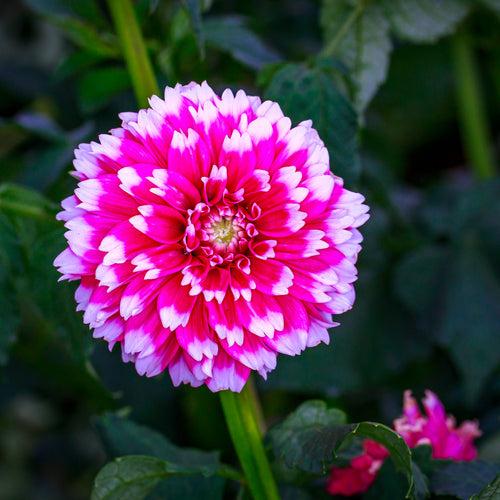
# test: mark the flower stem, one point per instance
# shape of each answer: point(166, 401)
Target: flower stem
point(134, 50)
point(473, 122)
point(239, 410)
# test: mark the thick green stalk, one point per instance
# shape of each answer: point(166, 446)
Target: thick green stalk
point(134, 50)
point(239, 411)
point(473, 122)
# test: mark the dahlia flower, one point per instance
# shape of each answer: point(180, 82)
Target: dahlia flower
point(209, 235)
point(436, 430)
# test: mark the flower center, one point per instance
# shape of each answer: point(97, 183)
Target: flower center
point(223, 231)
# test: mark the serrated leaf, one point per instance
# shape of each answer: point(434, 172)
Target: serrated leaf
point(309, 438)
point(230, 34)
point(490, 492)
point(364, 48)
point(134, 477)
point(56, 300)
point(123, 437)
point(425, 20)
point(463, 479)
point(309, 93)
point(469, 328)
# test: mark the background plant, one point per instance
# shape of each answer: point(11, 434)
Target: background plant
point(406, 96)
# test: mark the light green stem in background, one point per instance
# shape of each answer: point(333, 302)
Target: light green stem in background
point(473, 122)
point(239, 410)
point(134, 50)
point(242, 411)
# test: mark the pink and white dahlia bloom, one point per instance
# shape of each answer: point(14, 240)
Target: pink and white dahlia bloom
point(209, 235)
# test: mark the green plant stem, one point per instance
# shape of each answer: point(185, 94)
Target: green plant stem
point(253, 397)
point(134, 50)
point(330, 49)
point(239, 410)
point(473, 122)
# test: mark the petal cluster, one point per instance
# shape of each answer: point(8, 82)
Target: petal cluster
point(435, 429)
point(360, 474)
point(209, 235)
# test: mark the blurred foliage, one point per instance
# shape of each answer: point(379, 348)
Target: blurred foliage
point(377, 79)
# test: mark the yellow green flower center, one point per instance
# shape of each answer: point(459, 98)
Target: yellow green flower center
point(223, 231)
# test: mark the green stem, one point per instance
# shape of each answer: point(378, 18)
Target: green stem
point(239, 411)
point(134, 50)
point(473, 122)
point(330, 49)
point(253, 397)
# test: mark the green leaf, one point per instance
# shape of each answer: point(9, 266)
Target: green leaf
point(309, 93)
point(492, 4)
point(364, 48)
point(463, 479)
point(76, 62)
point(490, 492)
point(56, 299)
point(193, 8)
point(9, 313)
point(425, 20)
point(98, 86)
point(379, 328)
point(469, 328)
point(230, 34)
point(84, 8)
point(134, 477)
point(123, 437)
point(19, 200)
point(41, 125)
point(419, 276)
point(309, 438)
point(388, 485)
point(87, 37)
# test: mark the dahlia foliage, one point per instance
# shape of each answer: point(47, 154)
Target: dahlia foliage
point(435, 429)
point(208, 236)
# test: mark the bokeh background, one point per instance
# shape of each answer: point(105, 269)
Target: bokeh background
point(428, 307)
